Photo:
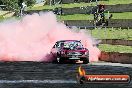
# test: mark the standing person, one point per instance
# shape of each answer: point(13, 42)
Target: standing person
point(23, 7)
point(95, 16)
point(101, 9)
point(20, 5)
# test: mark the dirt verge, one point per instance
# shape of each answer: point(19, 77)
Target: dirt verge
point(116, 57)
point(116, 42)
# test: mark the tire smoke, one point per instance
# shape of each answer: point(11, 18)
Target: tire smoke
point(32, 37)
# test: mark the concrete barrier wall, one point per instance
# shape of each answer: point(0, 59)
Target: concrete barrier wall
point(119, 8)
point(78, 10)
point(116, 57)
point(72, 1)
point(37, 11)
point(116, 42)
point(111, 8)
point(123, 23)
point(79, 23)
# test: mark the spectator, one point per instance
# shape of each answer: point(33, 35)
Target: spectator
point(111, 15)
point(55, 10)
point(101, 8)
point(95, 16)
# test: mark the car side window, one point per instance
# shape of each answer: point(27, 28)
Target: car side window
point(57, 45)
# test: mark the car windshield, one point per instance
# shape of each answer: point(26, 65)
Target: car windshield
point(72, 45)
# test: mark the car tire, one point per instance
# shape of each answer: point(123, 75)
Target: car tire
point(85, 61)
point(59, 60)
point(82, 80)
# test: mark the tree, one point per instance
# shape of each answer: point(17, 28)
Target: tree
point(30, 2)
point(10, 4)
point(15, 5)
point(1, 3)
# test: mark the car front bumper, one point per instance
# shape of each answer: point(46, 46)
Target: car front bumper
point(73, 57)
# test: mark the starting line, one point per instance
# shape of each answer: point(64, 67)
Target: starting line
point(36, 81)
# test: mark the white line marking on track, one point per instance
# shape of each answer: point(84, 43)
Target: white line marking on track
point(37, 81)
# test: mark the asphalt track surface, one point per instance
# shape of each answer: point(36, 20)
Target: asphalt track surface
point(49, 75)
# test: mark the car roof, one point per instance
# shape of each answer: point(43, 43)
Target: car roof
point(68, 40)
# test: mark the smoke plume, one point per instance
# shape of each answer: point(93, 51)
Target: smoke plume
point(32, 37)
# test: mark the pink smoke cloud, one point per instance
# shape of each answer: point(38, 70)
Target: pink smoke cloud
point(32, 37)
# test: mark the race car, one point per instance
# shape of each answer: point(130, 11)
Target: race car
point(70, 50)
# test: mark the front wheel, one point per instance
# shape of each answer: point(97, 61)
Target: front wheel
point(86, 60)
point(59, 60)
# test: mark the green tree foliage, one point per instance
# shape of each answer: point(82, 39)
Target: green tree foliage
point(30, 2)
point(14, 5)
point(10, 4)
point(1, 3)
point(48, 2)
